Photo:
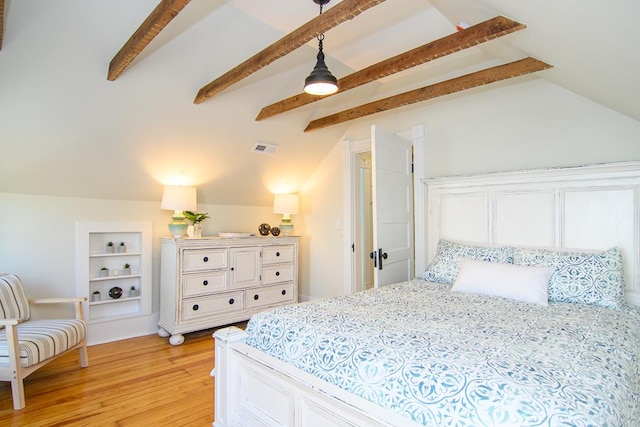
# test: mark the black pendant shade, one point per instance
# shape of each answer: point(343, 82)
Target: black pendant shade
point(320, 81)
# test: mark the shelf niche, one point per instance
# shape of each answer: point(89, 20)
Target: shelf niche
point(92, 255)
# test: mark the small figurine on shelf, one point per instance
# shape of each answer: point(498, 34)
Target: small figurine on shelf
point(95, 296)
point(196, 218)
point(104, 272)
point(115, 292)
point(110, 248)
point(133, 292)
point(122, 248)
point(126, 270)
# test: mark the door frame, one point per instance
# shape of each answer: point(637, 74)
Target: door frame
point(350, 168)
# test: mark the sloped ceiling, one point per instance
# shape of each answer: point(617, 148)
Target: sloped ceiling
point(65, 130)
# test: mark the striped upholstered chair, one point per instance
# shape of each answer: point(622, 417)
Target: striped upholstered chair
point(27, 344)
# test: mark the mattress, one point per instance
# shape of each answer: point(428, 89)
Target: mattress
point(445, 358)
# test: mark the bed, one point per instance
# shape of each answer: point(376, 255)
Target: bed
point(457, 345)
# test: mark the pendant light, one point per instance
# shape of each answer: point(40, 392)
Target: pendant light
point(320, 81)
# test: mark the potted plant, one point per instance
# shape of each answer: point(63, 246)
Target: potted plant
point(133, 292)
point(122, 248)
point(95, 296)
point(104, 272)
point(110, 248)
point(126, 270)
point(196, 218)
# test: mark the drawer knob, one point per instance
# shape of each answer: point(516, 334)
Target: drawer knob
point(256, 296)
point(205, 283)
point(284, 292)
point(277, 253)
point(205, 259)
point(277, 273)
point(195, 307)
point(231, 301)
point(232, 268)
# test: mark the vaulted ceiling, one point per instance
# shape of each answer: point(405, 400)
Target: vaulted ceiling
point(61, 117)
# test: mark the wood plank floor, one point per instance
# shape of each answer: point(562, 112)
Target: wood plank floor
point(142, 381)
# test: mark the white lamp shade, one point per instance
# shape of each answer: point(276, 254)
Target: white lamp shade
point(179, 198)
point(285, 203)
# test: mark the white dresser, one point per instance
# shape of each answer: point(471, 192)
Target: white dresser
point(215, 281)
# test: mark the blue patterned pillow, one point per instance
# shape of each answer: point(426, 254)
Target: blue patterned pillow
point(580, 277)
point(444, 267)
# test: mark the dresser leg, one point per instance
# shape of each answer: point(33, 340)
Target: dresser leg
point(162, 333)
point(176, 339)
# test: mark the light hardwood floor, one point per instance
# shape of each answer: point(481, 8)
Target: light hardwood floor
point(142, 381)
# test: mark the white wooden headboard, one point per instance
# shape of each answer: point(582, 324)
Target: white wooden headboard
point(587, 207)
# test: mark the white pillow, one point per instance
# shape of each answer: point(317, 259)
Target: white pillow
point(516, 282)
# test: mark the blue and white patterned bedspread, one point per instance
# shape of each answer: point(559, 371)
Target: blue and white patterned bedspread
point(446, 358)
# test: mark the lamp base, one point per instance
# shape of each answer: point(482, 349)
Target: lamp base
point(286, 227)
point(178, 227)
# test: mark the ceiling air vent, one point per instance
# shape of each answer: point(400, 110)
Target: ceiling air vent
point(262, 147)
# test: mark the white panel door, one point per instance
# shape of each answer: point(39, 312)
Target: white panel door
point(600, 219)
point(392, 159)
point(525, 219)
point(245, 267)
point(464, 217)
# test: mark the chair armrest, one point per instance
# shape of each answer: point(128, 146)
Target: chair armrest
point(77, 301)
point(9, 322)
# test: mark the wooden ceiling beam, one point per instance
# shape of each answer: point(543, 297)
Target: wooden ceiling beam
point(164, 12)
point(468, 81)
point(472, 36)
point(1, 22)
point(343, 11)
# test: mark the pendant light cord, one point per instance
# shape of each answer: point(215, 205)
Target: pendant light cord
point(320, 36)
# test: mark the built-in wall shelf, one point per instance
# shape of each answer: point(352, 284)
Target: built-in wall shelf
point(114, 255)
point(123, 276)
point(94, 255)
point(112, 301)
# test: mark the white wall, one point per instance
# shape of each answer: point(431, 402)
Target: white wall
point(37, 236)
point(526, 125)
point(321, 265)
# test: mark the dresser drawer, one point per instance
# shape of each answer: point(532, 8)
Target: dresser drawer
point(277, 273)
point(204, 259)
point(204, 283)
point(208, 306)
point(271, 295)
point(276, 254)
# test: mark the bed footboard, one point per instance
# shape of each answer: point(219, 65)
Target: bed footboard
point(255, 389)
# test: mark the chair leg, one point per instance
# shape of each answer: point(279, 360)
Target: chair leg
point(17, 384)
point(84, 356)
point(17, 391)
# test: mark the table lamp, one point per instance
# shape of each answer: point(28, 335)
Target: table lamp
point(285, 204)
point(178, 199)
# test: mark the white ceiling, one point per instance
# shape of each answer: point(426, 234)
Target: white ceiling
point(65, 130)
